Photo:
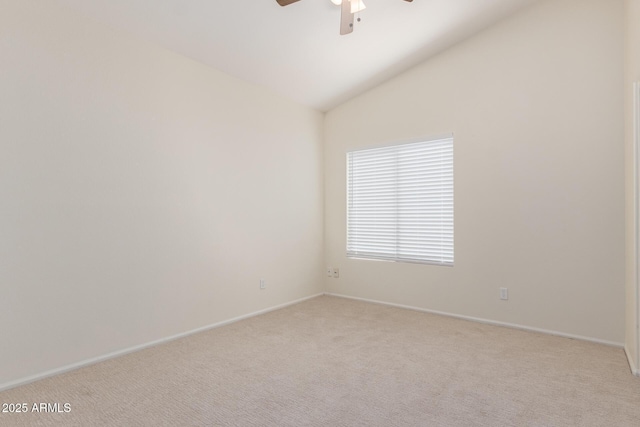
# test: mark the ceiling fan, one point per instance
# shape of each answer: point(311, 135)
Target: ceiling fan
point(349, 9)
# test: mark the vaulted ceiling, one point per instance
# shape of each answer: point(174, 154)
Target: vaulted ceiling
point(296, 50)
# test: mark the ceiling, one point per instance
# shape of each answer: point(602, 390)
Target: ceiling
point(296, 51)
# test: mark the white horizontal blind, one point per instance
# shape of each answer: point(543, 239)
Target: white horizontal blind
point(400, 202)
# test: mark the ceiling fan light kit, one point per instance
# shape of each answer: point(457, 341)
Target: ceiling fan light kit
point(348, 9)
point(357, 6)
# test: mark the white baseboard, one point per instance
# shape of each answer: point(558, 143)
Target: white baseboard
point(632, 364)
point(87, 362)
point(485, 321)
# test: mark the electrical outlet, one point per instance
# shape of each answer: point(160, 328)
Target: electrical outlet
point(263, 284)
point(336, 273)
point(329, 271)
point(504, 294)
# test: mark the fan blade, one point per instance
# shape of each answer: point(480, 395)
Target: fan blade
point(288, 2)
point(346, 18)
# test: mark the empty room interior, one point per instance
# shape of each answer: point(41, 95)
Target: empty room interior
point(312, 213)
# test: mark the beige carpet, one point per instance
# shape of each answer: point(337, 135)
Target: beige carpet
point(336, 362)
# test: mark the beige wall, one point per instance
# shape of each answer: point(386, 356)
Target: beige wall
point(632, 74)
point(536, 107)
point(142, 194)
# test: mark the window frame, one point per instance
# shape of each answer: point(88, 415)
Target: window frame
point(446, 257)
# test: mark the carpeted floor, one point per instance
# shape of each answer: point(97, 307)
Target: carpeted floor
point(336, 362)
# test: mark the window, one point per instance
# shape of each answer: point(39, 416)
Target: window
point(400, 202)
